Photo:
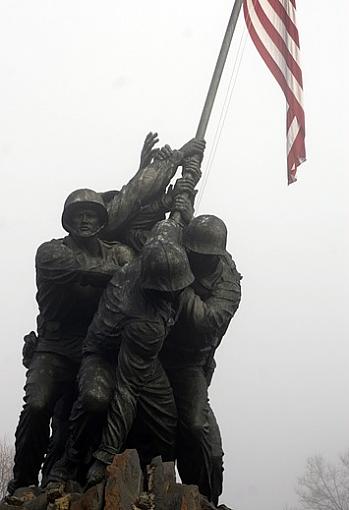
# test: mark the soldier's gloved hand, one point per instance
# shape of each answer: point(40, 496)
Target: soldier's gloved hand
point(148, 151)
point(191, 166)
point(164, 153)
point(185, 185)
point(183, 204)
point(30, 343)
point(194, 147)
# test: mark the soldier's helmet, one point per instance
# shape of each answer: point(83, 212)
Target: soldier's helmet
point(206, 234)
point(165, 266)
point(84, 198)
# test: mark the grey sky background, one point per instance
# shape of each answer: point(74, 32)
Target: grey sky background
point(82, 82)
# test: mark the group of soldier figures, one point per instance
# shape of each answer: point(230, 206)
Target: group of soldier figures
point(132, 306)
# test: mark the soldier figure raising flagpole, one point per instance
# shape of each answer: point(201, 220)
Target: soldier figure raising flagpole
point(133, 305)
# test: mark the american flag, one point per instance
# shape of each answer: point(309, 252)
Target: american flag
point(273, 29)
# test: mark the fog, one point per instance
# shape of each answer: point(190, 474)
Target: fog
point(81, 84)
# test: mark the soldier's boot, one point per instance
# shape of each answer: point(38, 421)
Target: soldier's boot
point(96, 473)
point(15, 483)
point(12, 486)
point(62, 471)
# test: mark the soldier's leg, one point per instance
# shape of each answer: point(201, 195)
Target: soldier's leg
point(153, 397)
point(156, 419)
point(215, 441)
point(121, 415)
point(59, 432)
point(96, 382)
point(47, 378)
point(217, 457)
point(194, 454)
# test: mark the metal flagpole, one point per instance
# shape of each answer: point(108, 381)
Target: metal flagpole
point(217, 74)
point(222, 57)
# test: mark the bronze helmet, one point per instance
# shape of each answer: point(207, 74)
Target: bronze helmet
point(82, 198)
point(165, 266)
point(206, 234)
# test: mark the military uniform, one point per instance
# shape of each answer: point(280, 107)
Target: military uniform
point(69, 287)
point(69, 282)
point(129, 319)
point(207, 307)
point(131, 323)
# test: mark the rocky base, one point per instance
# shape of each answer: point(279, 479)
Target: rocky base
point(125, 487)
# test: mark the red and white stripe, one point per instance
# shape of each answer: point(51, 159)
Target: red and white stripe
point(272, 26)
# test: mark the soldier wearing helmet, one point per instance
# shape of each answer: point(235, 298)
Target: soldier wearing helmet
point(207, 307)
point(70, 276)
point(134, 316)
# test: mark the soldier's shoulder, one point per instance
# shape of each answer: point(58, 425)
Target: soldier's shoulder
point(229, 267)
point(48, 246)
point(50, 249)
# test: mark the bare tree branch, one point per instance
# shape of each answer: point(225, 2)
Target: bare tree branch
point(324, 486)
point(6, 465)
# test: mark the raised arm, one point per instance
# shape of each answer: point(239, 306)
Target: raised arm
point(149, 183)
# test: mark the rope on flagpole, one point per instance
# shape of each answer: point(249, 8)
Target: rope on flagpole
point(218, 70)
point(216, 77)
point(224, 111)
point(223, 114)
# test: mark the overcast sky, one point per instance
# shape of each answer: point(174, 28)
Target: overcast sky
point(82, 82)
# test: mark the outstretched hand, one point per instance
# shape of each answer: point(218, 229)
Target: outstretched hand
point(148, 151)
point(164, 153)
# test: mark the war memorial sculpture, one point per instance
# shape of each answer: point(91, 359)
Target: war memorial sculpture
point(133, 304)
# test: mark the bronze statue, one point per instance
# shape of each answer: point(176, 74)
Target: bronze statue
point(104, 349)
point(207, 307)
point(70, 276)
point(132, 309)
point(144, 309)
